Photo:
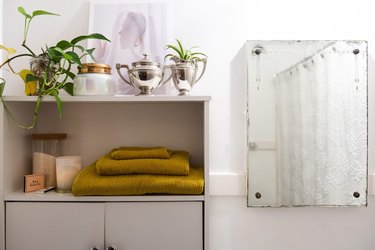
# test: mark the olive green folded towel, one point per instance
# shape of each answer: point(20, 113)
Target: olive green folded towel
point(123, 153)
point(88, 182)
point(177, 164)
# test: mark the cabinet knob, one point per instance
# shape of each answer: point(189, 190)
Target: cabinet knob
point(111, 248)
point(95, 248)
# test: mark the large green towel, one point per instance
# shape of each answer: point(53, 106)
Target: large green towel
point(123, 153)
point(178, 164)
point(88, 182)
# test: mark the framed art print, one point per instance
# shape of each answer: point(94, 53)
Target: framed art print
point(135, 29)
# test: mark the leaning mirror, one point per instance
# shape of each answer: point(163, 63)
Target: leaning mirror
point(307, 123)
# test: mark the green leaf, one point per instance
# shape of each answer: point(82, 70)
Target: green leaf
point(175, 49)
point(55, 93)
point(180, 46)
point(80, 47)
point(54, 54)
point(198, 53)
point(2, 86)
point(68, 87)
point(43, 12)
point(167, 56)
point(59, 50)
point(193, 47)
point(68, 57)
point(64, 45)
point(30, 78)
point(91, 36)
point(90, 51)
point(75, 57)
point(69, 73)
point(23, 12)
point(92, 57)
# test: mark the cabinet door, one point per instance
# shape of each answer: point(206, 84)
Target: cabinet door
point(55, 225)
point(154, 225)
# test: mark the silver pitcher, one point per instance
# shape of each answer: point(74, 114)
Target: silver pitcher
point(145, 75)
point(184, 75)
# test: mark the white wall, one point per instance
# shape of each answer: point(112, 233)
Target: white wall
point(221, 27)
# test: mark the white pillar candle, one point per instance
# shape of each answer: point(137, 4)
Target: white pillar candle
point(67, 168)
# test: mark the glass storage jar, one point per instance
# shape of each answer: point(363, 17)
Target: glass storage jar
point(94, 79)
point(45, 148)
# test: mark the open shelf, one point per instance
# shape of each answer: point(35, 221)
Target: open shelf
point(112, 99)
point(95, 125)
point(68, 197)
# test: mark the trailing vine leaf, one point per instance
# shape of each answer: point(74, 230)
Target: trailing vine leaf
point(68, 87)
point(91, 36)
point(9, 52)
point(23, 12)
point(74, 57)
point(64, 45)
point(69, 73)
point(55, 55)
point(90, 53)
point(30, 88)
point(55, 93)
point(2, 86)
point(42, 12)
point(58, 50)
point(29, 80)
point(80, 47)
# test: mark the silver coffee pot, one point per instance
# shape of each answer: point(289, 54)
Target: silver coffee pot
point(145, 75)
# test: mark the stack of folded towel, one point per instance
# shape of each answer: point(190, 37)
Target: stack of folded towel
point(137, 171)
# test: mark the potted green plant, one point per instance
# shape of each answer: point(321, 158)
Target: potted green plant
point(185, 66)
point(50, 69)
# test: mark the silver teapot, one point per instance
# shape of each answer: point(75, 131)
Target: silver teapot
point(145, 75)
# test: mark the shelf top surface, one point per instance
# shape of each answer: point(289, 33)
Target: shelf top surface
point(68, 197)
point(112, 99)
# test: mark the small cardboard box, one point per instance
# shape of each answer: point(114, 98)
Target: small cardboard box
point(34, 182)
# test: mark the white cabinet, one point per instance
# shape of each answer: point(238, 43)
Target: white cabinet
point(94, 126)
point(124, 225)
point(57, 226)
point(157, 226)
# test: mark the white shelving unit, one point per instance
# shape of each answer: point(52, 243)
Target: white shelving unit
point(94, 126)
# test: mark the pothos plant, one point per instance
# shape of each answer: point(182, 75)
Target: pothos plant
point(184, 54)
point(50, 69)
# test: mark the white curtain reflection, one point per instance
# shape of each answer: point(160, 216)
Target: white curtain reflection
point(321, 128)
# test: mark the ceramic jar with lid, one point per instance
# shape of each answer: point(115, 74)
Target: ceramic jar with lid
point(94, 79)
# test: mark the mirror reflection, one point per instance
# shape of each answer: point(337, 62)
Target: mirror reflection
point(307, 123)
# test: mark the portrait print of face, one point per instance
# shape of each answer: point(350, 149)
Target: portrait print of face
point(134, 29)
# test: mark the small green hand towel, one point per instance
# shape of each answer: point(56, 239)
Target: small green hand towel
point(123, 153)
point(177, 164)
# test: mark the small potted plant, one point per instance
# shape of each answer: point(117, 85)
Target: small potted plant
point(50, 69)
point(185, 66)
